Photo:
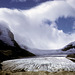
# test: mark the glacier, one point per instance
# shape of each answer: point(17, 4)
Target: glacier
point(50, 64)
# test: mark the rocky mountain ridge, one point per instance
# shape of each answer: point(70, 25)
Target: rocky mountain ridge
point(9, 48)
point(69, 46)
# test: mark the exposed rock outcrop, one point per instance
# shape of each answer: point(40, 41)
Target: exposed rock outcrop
point(69, 46)
point(9, 48)
point(71, 57)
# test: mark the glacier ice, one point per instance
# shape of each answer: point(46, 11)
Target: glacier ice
point(51, 64)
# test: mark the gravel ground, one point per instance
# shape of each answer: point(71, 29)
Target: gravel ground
point(37, 73)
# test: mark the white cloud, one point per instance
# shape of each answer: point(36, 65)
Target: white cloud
point(30, 29)
point(74, 25)
point(71, 2)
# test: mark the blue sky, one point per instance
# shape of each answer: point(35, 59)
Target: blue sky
point(66, 24)
point(20, 4)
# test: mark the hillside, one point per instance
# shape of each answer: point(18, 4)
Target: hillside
point(69, 46)
point(9, 48)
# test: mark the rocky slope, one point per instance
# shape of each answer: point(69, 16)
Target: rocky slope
point(70, 48)
point(9, 48)
point(37, 73)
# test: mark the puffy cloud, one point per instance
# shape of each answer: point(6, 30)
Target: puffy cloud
point(74, 25)
point(30, 28)
point(71, 2)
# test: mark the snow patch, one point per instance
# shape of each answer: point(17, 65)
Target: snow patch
point(4, 34)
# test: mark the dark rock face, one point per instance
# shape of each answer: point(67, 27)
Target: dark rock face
point(70, 46)
point(0, 67)
point(71, 57)
point(14, 51)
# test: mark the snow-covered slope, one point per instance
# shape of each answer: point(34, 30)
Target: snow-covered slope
point(6, 35)
point(45, 52)
point(9, 48)
point(51, 64)
point(70, 47)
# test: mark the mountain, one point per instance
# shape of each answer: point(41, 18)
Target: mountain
point(9, 48)
point(71, 49)
point(69, 46)
point(67, 50)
